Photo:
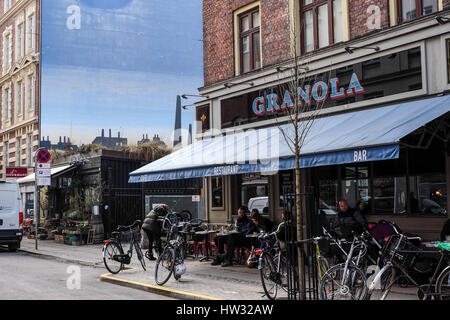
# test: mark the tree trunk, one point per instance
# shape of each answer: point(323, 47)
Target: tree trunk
point(301, 278)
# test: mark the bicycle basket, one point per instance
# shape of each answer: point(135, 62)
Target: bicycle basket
point(125, 236)
point(405, 254)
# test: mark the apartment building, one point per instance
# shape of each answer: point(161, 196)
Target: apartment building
point(19, 83)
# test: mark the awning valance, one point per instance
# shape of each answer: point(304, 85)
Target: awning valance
point(360, 136)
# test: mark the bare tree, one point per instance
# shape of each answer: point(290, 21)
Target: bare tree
point(295, 121)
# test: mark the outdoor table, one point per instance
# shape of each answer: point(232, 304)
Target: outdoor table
point(206, 234)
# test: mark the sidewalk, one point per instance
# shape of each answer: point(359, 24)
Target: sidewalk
point(201, 281)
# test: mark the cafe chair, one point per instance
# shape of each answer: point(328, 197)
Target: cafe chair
point(192, 249)
point(213, 247)
point(202, 248)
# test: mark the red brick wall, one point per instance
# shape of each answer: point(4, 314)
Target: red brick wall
point(359, 16)
point(446, 4)
point(219, 37)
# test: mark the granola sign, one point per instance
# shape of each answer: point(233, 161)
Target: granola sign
point(319, 92)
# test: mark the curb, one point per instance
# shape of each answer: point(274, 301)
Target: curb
point(44, 255)
point(172, 293)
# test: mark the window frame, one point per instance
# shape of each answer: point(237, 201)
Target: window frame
point(314, 6)
point(419, 10)
point(31, 30)
point(20, 35)
point(250, 32)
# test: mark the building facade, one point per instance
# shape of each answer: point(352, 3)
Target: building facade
point(19, 83)
point(352, 56)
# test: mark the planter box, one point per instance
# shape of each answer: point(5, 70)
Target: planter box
point(59, 238)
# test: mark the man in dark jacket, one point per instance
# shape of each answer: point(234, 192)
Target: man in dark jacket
point(243, 226)
point(152, 227)
point(348, 220)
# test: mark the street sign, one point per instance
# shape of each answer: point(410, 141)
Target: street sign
point(43, 173)
point(43, 156)
point(43, 182)
point(16, 172)
point(43, 166)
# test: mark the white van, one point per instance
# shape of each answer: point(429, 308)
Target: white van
point(11, 215)
point(258, 203)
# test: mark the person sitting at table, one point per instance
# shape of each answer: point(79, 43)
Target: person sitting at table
point(234, 240)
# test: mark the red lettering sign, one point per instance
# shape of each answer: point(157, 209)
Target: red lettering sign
point(16, 172)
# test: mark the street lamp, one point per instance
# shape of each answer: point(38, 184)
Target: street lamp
point(282, 69)
point(230, 84)
point(187, 106)
point(442, 20)
point(350, 49)
point(185, 96)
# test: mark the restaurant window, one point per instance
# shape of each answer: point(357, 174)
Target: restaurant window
point(412, 9)
point(322, 23)
point(355, 185)
point(250, 40)
point(428, 194)
point(389, 195)
point(328, 190)
point(217, 192)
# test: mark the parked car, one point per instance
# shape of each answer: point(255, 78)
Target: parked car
point(11, 215)
point(258, 203)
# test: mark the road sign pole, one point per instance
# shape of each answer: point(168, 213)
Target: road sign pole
point(37, 210)
point(37, 215)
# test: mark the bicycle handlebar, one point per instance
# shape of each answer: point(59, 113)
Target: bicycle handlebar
point(126, 228)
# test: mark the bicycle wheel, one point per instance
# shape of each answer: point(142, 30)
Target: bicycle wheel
point(165, 265)
point(337, 284)
point(382, 284)
point(110, 252)
point(269, 277)
point(140, 255)
point(443, 285)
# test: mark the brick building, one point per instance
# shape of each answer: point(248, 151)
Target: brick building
point(19, 56)
point(371, 76)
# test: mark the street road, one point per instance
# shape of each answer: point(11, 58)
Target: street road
point(29, 277)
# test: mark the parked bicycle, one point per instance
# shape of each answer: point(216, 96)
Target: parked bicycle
point(400, 254)
point(346, 281)
point(273, 264)
point(114, 257)
point(171, 260)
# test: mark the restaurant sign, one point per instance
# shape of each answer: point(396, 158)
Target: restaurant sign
point(16, 172)
point(320, 91)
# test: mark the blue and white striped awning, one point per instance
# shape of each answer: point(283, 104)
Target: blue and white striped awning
point(361, 136)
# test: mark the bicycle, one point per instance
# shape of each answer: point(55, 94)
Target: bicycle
point(346, 281)
point(171, 260)
point(322, 264)
point(114, 257)
point(400, 255)
point(273, 264)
